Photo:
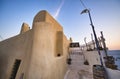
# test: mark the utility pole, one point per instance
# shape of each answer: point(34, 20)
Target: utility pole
point(104, 45)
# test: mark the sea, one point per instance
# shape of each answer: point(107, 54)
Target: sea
point(116, 55)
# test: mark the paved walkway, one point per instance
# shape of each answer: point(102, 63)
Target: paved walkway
point(77, 70)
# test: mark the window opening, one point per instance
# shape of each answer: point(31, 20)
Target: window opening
point(15, 68)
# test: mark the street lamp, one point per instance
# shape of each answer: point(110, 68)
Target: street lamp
point(94, 33)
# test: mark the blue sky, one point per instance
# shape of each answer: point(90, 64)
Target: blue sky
point(105, 15)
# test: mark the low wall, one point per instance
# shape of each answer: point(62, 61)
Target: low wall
point(92, 57)
point(113, 74)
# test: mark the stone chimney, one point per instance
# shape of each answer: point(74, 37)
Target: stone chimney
point(25, 27)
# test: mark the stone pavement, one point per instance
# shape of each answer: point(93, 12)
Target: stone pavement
point(77, 70)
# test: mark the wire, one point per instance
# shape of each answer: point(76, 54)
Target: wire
point(83, 4)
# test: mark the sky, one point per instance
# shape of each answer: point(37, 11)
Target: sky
point(105, 15)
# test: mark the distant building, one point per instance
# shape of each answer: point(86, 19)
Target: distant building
point(37, 53)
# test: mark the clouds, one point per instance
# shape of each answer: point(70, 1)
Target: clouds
point(59, 9)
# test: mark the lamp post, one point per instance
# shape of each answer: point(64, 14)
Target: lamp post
point(85, 43)
point(94, 33)
point(93, 41)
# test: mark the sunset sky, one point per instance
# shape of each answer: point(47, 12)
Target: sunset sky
point(105, 15)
